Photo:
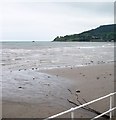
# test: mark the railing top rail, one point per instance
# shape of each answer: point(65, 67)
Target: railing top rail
point(75, 108)
point(104, 113)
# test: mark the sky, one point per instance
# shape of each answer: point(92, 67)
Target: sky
point(27, 20)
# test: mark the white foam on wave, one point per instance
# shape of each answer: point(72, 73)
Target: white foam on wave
point(59, 56)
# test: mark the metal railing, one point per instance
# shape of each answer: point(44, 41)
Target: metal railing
point(83, 105)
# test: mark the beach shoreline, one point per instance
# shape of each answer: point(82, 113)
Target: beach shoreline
point(91, 81)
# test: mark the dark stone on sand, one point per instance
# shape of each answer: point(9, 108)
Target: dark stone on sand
point(48, 76)
point(19, 87)
point(33, 78)
point(32, 68)
point(78, 91)
point(110, 74)
point(97, 77)
point(91, 61)
point(3, 64)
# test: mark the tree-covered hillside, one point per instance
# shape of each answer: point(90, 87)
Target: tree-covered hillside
point(103, 33)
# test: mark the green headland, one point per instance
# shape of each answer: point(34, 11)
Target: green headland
point(104, 33)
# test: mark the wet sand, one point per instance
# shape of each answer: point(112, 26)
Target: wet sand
point(91, 81)
point(36, 94)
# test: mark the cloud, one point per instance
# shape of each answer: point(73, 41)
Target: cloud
point(57, 1)
point(44, 21)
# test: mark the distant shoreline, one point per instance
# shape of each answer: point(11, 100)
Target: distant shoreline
point(104, 33)
point(86, 41)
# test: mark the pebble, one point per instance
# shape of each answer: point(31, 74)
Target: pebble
point(78, 91)
point(19, 87)
point(32, 68)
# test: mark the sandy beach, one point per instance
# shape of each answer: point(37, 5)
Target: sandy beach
point(53, 92)
point(92, 82)
point(40, 79)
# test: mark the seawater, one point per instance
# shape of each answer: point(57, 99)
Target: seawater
point(48, 55)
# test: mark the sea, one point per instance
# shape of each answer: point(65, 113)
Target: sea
point(49, 55)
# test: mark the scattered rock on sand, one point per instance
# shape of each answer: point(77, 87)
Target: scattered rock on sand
point(19, 87)
point(97, 78)
point(91, 61)
point(32, 68)
point(48, 76)
point(78, 91)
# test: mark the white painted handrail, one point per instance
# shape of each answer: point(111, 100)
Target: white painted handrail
point(83, 105)
point(103, 113)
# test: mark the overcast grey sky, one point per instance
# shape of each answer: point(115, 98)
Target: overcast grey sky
point(46, 20)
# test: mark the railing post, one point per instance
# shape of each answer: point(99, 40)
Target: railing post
point(110, 106)
point(71, 111)
point(72, 115)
